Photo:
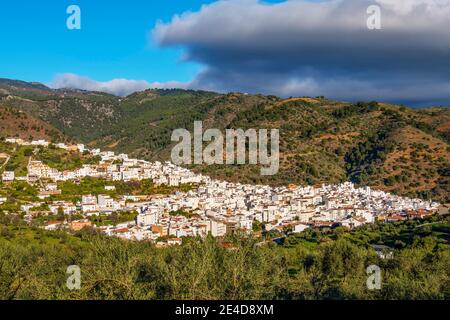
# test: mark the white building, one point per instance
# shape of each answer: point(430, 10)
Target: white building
point(300, 227)
point(40, 143)
point(8, 176)
point(217, 228)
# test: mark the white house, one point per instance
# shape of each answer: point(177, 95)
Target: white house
point(217, 228)
point(147, 218)
point(300, 227)
point(40, 143)
point(8, 176)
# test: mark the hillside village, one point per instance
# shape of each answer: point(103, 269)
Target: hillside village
point(209, 206)
point(388, 147)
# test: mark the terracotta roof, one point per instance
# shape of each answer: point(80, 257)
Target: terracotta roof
point(122, 230)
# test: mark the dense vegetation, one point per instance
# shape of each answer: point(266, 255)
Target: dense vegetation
point(63, 160)
point(318, 264)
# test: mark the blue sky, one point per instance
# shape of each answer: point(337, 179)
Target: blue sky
point(113, 41)
point(286, 48)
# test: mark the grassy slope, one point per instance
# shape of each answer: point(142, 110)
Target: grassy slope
point(19, 124)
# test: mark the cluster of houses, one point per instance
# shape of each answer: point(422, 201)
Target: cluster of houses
point(117, 168)
point(112, 167)
point(215, 207)
point(222, 207)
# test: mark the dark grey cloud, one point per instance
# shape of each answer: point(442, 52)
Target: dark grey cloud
point(300, 47)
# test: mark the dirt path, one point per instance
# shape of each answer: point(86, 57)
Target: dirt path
point(5, 163)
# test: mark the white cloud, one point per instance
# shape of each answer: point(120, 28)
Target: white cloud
point(119, 87)
point(432, 8)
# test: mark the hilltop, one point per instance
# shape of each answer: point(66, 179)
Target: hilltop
point(389, 147)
